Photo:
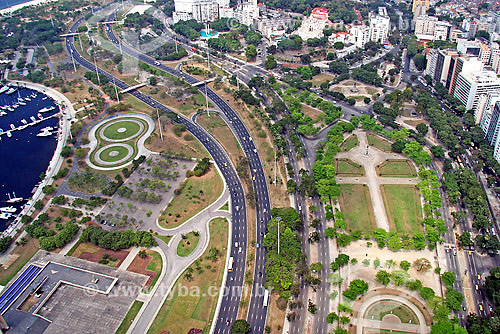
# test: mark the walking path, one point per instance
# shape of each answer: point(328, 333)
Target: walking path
point(370, 157)
point(360, 322)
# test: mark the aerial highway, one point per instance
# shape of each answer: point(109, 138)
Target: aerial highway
point(230, 304)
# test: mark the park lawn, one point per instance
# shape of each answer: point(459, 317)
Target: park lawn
point(164, 238)
point(197, 194)
point(382, 308)
point(129, 318)
point(225, 206)
point(179, 314)
point(188, 245)
point(311, 112)
point(136, 105)
point(131, 128)
point(403, 207)
point(350, 143)
point(396, 168)
point(155, 265)
point(356, 204)
point(173, 144)
point(320, 78)
point(25, 252)
point(218, 128)
point(379, 143)
point(347, 167)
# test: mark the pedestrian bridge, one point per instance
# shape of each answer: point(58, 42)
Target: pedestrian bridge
point(132, 88)
point(199, 83)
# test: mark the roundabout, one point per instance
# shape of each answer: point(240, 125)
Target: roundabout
point(117, 140)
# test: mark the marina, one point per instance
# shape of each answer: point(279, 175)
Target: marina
point(30, 124)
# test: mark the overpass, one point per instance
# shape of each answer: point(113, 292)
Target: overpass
point(199, 83)
point(126, 90)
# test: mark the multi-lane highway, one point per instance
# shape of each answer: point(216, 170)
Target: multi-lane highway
point(230, 303)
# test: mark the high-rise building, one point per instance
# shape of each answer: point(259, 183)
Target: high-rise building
point(492, 134)
point(469, 86)
point(361, 35)
point(200, 10)
point(466, 64)
point(420, 3)
point(313, 26)
point(486, 104)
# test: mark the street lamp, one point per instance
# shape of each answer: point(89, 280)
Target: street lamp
point(278, 219)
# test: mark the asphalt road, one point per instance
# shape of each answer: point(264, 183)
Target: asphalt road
point(229, 308)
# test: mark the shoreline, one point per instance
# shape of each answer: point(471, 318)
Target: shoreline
point(12, 9)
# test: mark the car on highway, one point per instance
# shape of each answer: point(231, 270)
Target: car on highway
point(476, 286)
point(481, 308)
point(479, 277)
point(490, 309)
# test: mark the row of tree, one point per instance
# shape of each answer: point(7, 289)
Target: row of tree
point(116, 240)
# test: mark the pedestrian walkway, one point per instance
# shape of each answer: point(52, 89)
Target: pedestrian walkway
point(130, 257)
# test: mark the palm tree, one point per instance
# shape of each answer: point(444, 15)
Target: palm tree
point(142, 254)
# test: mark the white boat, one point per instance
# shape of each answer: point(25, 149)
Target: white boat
point(33, 119)
point(11, 90)
point(24, 121)
point(45, 133)
point(14, 199)
point(47, 109)
point(5, 215)
point(4, 89)
point(27, 99)
point(12, 127)
point(39, 116)
point(3, 113)
point(22, 127)
point(34, 95)
point(45, 98)
point(4, 107)
point(9, 209)
point(9, 134)
point(15, 106)
point(22, 103)
point(10, 109)
point(47, 128)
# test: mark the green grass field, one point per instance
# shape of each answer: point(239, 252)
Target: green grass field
point(350, 143)
point(164, 238)
point(113, 131)
point(396, 168)
point(188, 245)
point(379, 143)
point(180, 313)
point(380, 309)
point(108, 156)
point(129, 318)
point(356, 204)
point(346, 167)
point(197, 194)
point(403, 207)
point(155, 265)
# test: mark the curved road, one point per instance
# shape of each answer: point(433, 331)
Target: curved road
point(230, 302)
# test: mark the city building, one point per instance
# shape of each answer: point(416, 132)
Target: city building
point(486, 104)
point(465, 46)
point(247, 13)
point(429, 28)
point(469, 86)
point(492, 134)
point(417, 4)
point(200, 10)
point(464, 64)
point(380, 25)
point(361, 35)
point(313, 25)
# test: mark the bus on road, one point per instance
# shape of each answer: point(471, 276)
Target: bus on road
point(230, 264)
point(266, 298)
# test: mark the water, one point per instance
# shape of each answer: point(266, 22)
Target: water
point(211, 33)
point(24, 156)
point(9, 3)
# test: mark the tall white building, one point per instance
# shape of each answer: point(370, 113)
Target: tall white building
point(493, 131)
point(314, 24)
point(469, 86)
point(247, 12)
point(380, 25)
point(200, 10)
point(484, 109)
point(361, 35)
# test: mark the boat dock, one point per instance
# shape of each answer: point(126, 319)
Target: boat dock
point(34, 121)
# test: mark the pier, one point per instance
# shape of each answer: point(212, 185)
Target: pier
point(34, 121)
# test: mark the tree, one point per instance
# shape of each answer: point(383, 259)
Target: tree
point(427, 293)
point(331, 317)
point(405, 265)
point(153, 81)
point(437, 151)
point(240, 326)
point(383, 277)
point(142, 254)
point(66, 152)
point(448, 278)
point(311, 307)
point(483, 33)
point(422, 265)
point(398, 146)
point(270, 62)
point(338, 45)
point(420, 61)
point(356, 287)
point(251, 51)
point(422, 128)
point(454, 299)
